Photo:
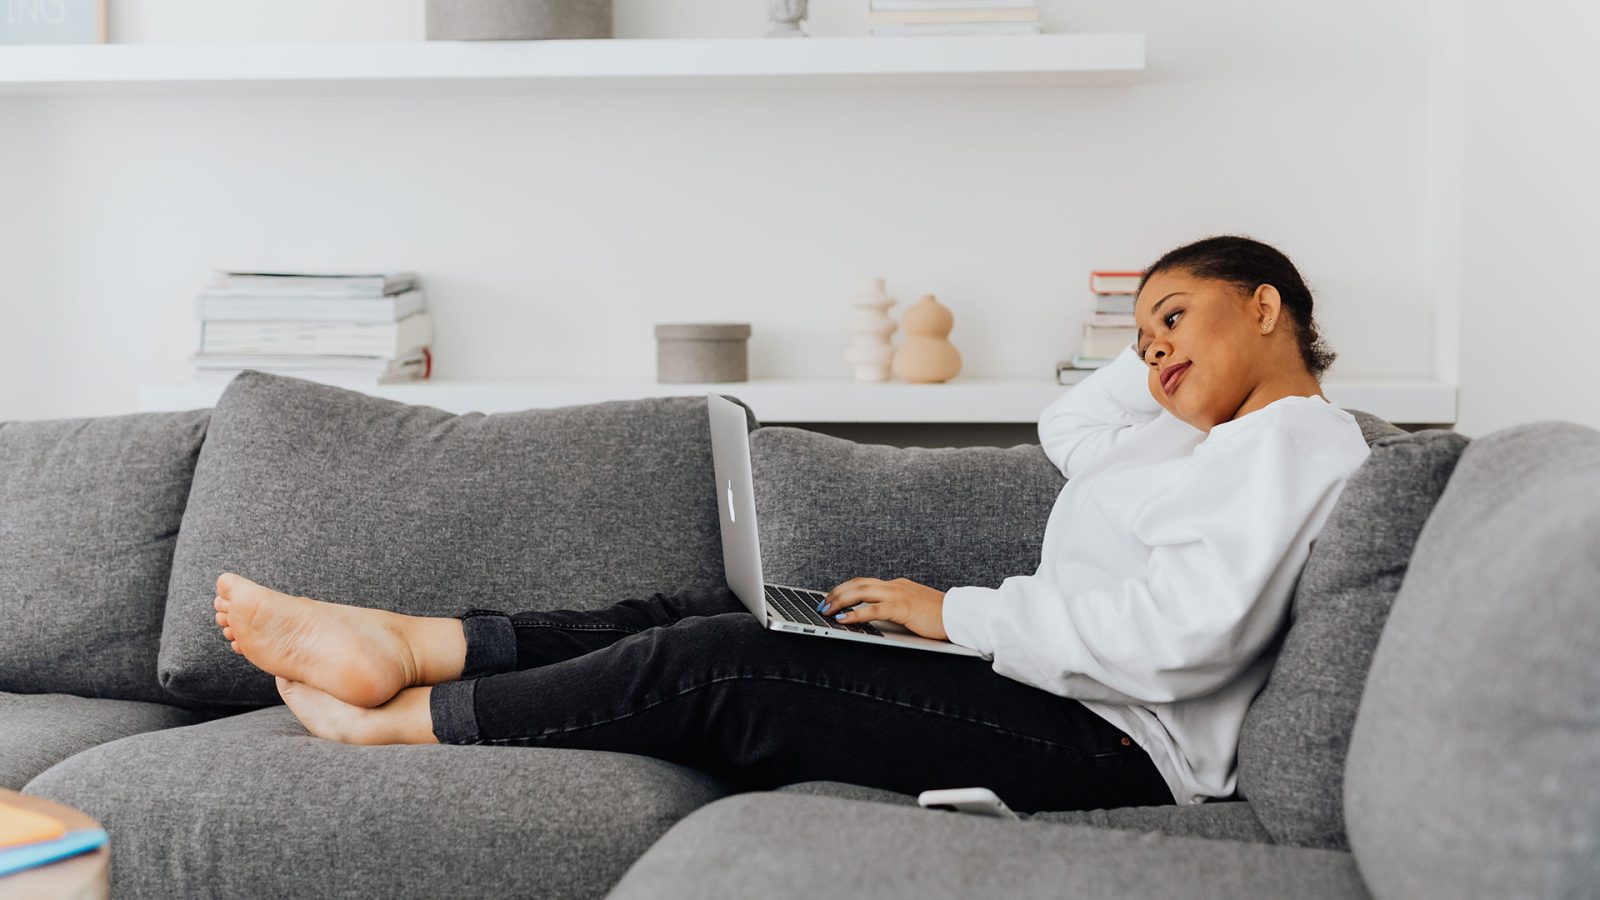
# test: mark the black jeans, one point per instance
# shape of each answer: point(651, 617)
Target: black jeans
point(694, 679)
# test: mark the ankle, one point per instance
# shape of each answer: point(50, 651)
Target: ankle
point(438, 649)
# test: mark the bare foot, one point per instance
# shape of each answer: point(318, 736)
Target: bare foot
point(403, 720)
point(324, 715)
point(358, 656)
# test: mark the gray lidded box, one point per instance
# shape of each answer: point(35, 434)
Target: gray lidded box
point(518, 20)
point(696, 352)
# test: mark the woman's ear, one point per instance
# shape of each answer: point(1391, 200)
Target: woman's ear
point(1267, 304)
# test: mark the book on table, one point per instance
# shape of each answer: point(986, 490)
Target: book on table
point(952, 4)
point(957, 28)
point(1106, 340)
point(414, 366)
point(31, 838)
point(26, 826)
point(27, 856)
point(1067, 373)
point(1121, 281)
point(1102, 319)
point(229, 283)
point(1114, 304)
point(389, 308)
point(1080, 361)
point(951, 16)
point(312, 338)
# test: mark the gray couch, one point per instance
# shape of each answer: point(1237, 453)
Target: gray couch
point(1456, 580)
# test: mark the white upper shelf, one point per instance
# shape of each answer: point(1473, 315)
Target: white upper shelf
point(1044, 60)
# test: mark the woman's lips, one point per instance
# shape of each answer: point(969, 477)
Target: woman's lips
point(1170, 382)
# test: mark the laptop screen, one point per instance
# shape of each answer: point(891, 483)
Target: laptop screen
point(736, 503)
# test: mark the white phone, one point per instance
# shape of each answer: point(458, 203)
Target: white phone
point(978, 801)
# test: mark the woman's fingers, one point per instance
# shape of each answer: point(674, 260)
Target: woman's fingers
point(861, 612)
point(882, 611)
point(848, 594)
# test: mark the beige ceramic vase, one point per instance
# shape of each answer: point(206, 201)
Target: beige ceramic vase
point(927, 356)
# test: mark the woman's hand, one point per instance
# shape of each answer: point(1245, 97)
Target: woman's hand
point(916, 606)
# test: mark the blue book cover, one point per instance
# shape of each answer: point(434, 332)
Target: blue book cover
point(70, 844)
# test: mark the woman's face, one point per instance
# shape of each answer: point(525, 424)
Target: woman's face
point(1214, 333)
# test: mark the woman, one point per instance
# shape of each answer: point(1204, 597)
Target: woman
point(1200, 465)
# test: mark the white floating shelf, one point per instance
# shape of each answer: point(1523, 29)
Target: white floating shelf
point(1019, 60)
point(776, 401)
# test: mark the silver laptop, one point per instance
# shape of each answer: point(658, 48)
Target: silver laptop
point(780, 607)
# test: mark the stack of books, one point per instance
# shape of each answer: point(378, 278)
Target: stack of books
point(29, 838)
point(919, 18)
point(1110, 328)
point(341, 329)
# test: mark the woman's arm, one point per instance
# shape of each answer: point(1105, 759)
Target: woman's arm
point(1109, 415)
point(1227, 543)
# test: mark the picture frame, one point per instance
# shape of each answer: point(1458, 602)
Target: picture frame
point(52, 22)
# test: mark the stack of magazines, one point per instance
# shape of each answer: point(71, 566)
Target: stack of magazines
point(29, 838)
point(337, 328)
point(936, 18)
point(1110, 327)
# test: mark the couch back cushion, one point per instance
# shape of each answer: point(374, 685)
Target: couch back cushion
point(1374, 427)
point(830, 509)
point(1474, 767)
point(1295, 737)
point(328, 493)
point(89, 512)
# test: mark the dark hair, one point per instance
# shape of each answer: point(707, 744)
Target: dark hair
point(1247, 264)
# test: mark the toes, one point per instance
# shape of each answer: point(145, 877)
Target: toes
point(235, 646)
point(222, 619)
point(220, 603)
point(228, 633)
point(225, 583)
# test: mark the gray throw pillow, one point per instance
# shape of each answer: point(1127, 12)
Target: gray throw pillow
point(830, 509)
point(328, 493)
point(89, 513)
point(1374, 427)
point(1293, 743)
point(1475, 761)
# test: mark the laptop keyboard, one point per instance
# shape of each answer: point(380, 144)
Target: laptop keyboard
point(801, 606)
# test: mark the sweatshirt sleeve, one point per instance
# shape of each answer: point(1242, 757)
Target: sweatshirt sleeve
point(1104, 415)
point(1200, 613)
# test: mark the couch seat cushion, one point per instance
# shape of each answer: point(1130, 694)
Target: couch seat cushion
point(89, 512)
point(830, 509)
point(1474, 767)
point(774, 845)
point(254, 806)
point(39, 730)
point(333, 494)
point(1293, 743)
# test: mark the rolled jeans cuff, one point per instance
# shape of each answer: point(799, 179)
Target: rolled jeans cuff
point(455, 718)
point(491, 643)
point(491, 648)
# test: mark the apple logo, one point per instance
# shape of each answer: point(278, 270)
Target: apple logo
point(731, 514)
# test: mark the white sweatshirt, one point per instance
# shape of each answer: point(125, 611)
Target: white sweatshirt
point(1168, 564)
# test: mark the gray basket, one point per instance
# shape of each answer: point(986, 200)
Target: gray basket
point(518, 20)
point(696, 352)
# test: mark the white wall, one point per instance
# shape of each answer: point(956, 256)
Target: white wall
point(553, 229)
point(1530, 300)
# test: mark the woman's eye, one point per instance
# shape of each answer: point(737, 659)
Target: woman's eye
point(1167, 319)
